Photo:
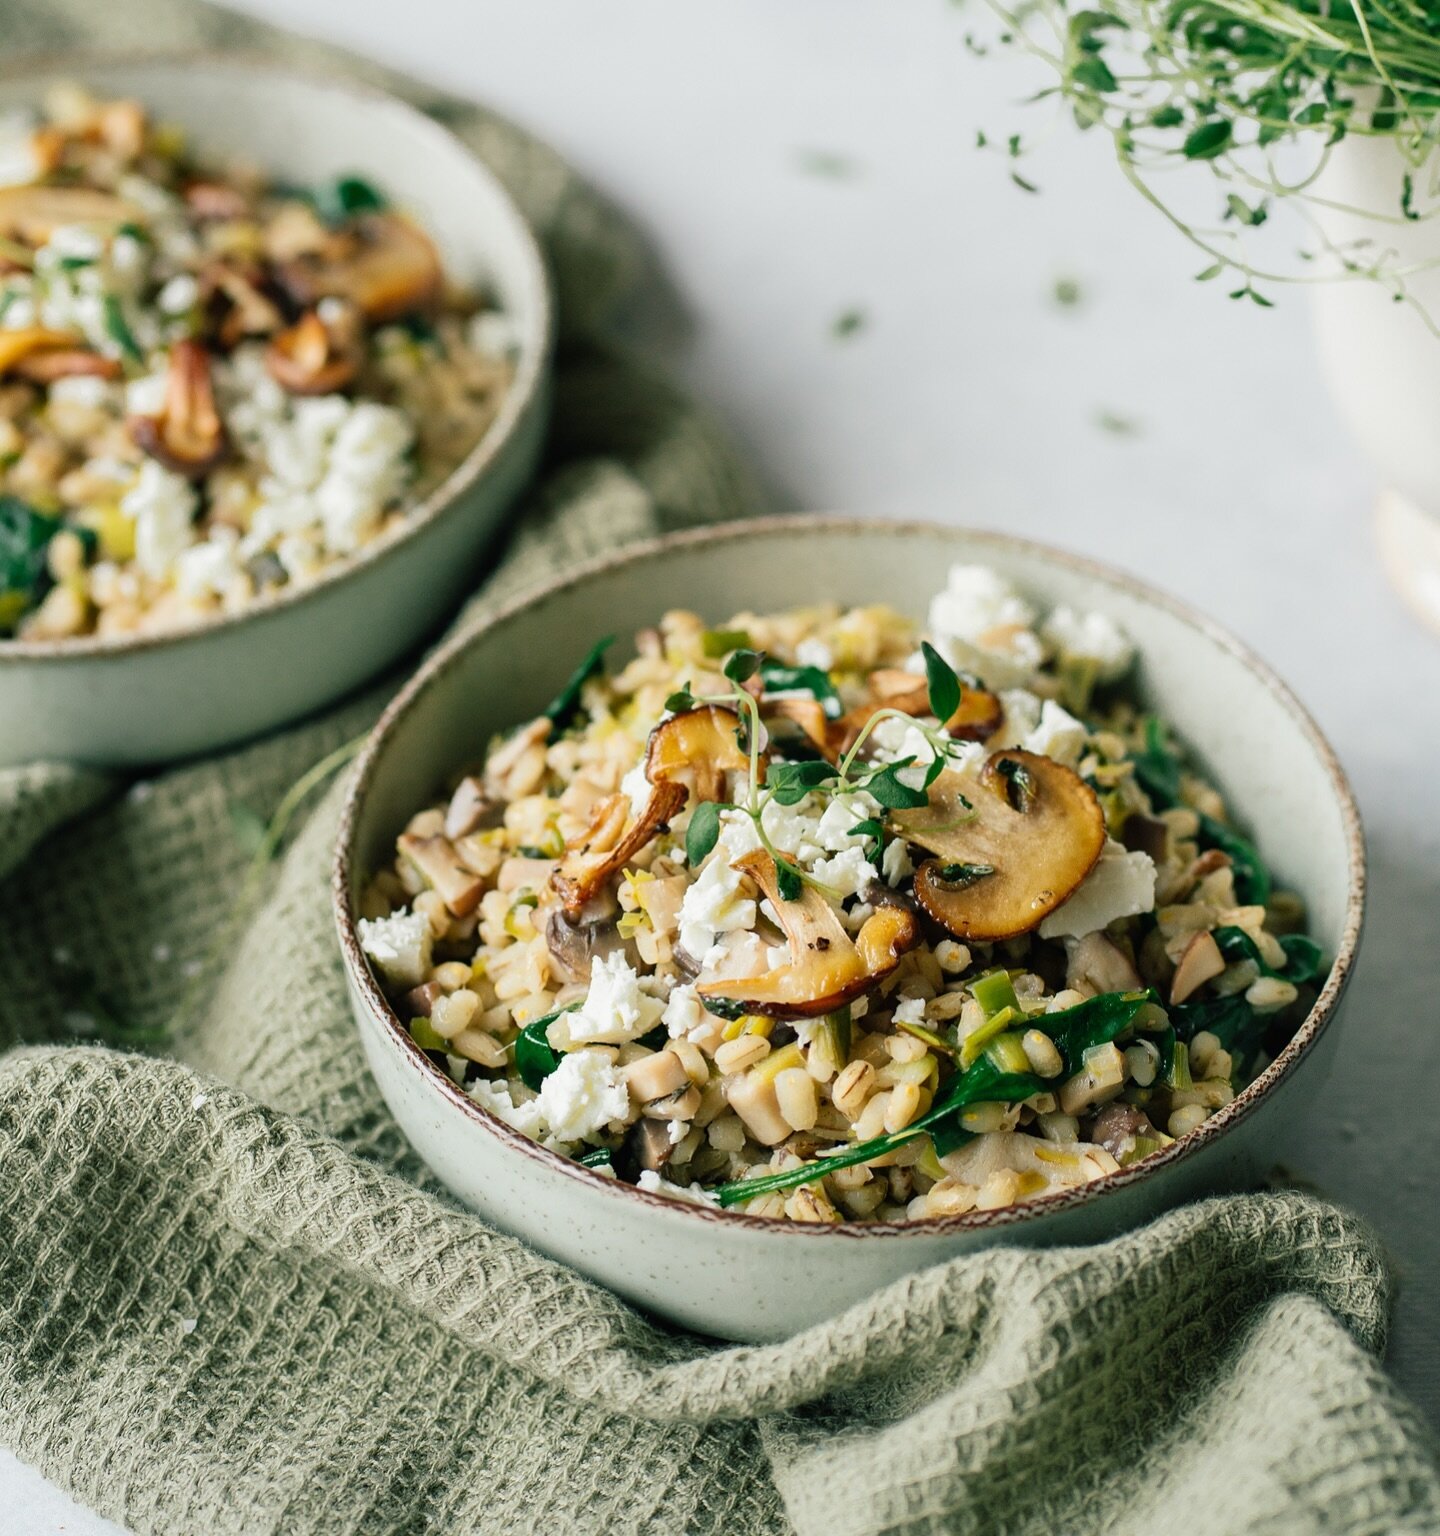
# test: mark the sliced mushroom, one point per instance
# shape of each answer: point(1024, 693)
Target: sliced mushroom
point(310, 359)
point(1012, 844)
point(188, 435)
point(607, 845)
point(575, 943)
point(470, 809)
point(34, 213)
point(1097, 964)
point(1201, 962)
point(435, 858)
point(238, 303)
point(979, 715)
point(647, 1146)
point(418, 1001)
point(1143, 834)
point(810, 716)
point(696, 749)
point(215, 200)
point(41, 356)
point(382, 263)
point(827, 968)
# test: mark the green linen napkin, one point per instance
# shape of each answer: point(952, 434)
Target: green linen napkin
point(231, 1301)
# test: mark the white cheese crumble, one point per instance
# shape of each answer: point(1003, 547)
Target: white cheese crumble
point(615, 1010)
point(717, 902)
point(813, 652)
point(1057, 734)
point(981, 624)
point(583, 1095)
point(693, 1194)
point(494, 1094)
point(1122, 884)
point(399, 945)
point(162, 505)
point(1090, 637)
point(910, 1010)
point(895, 863)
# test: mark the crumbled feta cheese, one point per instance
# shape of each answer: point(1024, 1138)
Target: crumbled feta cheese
point(181, 293)
point(637, 788)
point(526, 1117)
point(83, 390)
point(1121, 885)
point(210, 565)
point(399, 945)
point(981, 624)
point(716, 903)
point(683, 1013)
point(848, 872)
point(368, 470)
point(145, 396)
point(693, 1194)
point(835, 831)
point(1090, 637)
point(1057, 734)
point(910, 1010)
point(615, 1009)
point(896, 863)
point(813, 652)
point(162, 505)
point(19, 164)
point(583, 1095)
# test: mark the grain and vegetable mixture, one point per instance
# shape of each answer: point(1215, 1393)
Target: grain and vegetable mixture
point(213, 386)
point(816, 917)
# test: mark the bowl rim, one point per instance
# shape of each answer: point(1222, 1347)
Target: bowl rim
point(537, 342)
point(1244, 1104)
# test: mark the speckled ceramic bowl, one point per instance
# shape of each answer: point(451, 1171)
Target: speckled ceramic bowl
point(744, 1277)
point(148, 699)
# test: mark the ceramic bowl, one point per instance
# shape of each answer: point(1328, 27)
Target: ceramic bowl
point(751, 1278)
point(133, 701)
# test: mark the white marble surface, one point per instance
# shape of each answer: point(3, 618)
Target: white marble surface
point(970, 395)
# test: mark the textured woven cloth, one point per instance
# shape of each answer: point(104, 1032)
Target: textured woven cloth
point(232, 1302)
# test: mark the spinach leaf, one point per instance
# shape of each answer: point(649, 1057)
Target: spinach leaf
point(24, 576)
point(1157, 767)
point(1304, 959)
point(778, 678)
point(534, 1058)
point(1252, 879)
point(562, 708)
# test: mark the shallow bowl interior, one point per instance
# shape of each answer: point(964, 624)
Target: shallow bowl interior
point(1247, 730)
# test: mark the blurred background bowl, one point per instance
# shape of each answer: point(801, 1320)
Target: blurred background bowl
point(114, 701)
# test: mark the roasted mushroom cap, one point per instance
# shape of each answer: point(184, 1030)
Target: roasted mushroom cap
point(696, 749)
point(607, 844)
point(827, 968)
point(188, 435)
point(34, 213)
point(234, 293)
point(309, 359)
point(1012, 844)
point(979, 714)
point(382, 263)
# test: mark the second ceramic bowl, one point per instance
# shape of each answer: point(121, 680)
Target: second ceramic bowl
point(153, 698)
point(744, 1277)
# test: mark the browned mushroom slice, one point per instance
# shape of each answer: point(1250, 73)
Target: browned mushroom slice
point(435, 858)
point(470, 809)
point(607, 844)
point(1012, 844)
point(810, 716)
point(696, 749)
point(42, 355)
point(386, 268)
point(239, 307)
point(979, 715)
point(1097, 964)
point(215, 200)
point(1201, 962)
point(827, 968)
point(188, 435)
point(34, 213)
point(307, 359)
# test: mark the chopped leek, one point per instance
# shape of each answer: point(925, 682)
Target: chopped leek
point(973, 1045)
point(994, 991)
point(425, 1037)
point(715, 643)
point(1008, 1053)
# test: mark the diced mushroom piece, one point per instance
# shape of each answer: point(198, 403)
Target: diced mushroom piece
point(1201, 962)
point(574, 944)
point(752, 1096)
point(34, 213)
point(1012, 844)
point(470, 809)
point(608, 844)
point(648, 1144)
point(1096, 963)
point(188, 435)
point(383, 264)
point(508, 754)
point(1117, 1126)
point(696, 749)
point(827, 969)
point(1143, 834)
point(656, 1078)
point(435, 859)
point(310, 359)
point(418, 1001)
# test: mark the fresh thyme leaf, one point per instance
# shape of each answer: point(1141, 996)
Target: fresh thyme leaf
point(743, 665)
point(778, 678)
point(248, 825)
point(941, 683)
point(847, 323)
point(886, 786)
point(1068, 294)
point(599, 1158)
point(873, 831)
point(117, 328)
point(791, 782)
point(829, 163)
point(680, 701)
point(564, 706)
point(1208, 140)
point(959, 876)
point(702, 833)
point(1116, 424)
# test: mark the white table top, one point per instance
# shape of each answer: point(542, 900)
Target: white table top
point(970, 394)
